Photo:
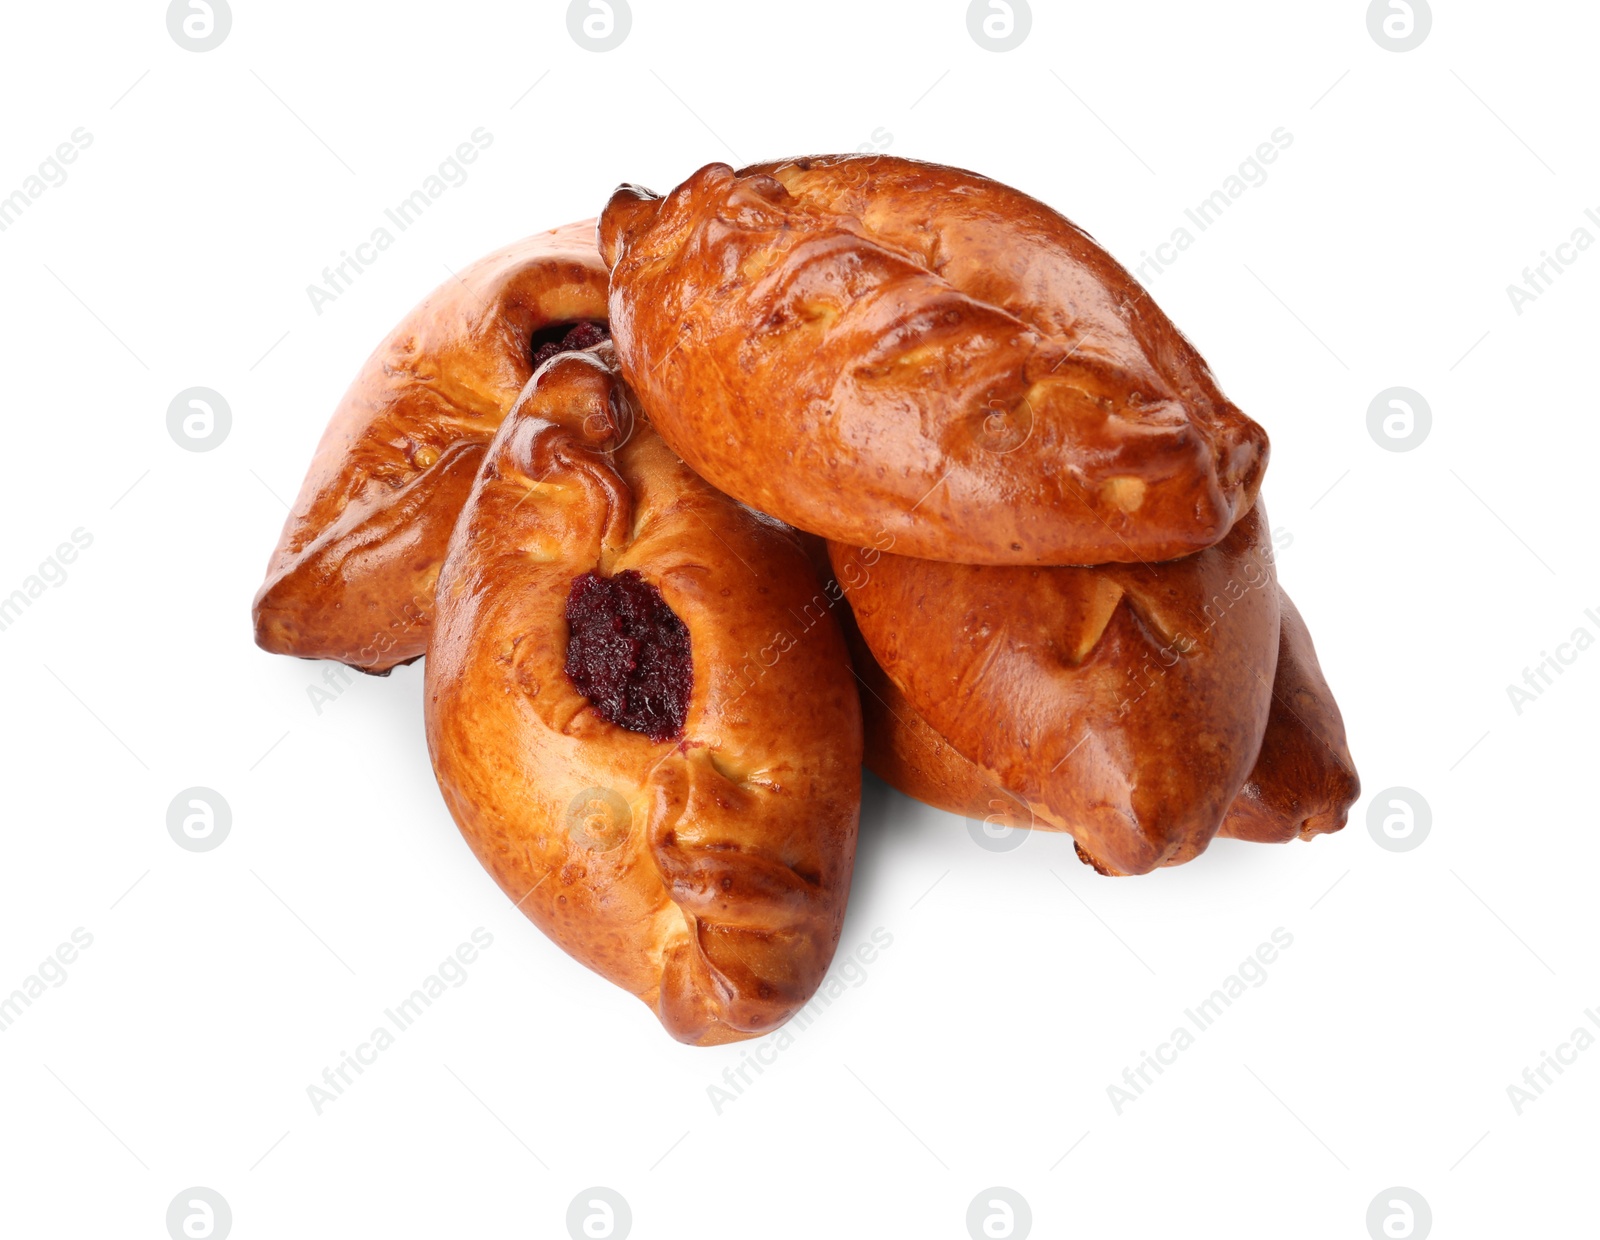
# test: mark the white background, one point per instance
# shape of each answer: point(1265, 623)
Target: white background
point(979, 1048)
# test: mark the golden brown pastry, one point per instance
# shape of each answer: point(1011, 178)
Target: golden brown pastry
point(1302, 784)
point(875, 348)
point(642, 740)
point(353, 574)
point(1125, 703)
point(901, 748)
point(1304, 780)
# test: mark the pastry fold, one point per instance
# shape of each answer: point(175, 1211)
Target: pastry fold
point(1123, 703)
point(869, 347)
point(352, 576)
point(1303, 782)
point(707, 872)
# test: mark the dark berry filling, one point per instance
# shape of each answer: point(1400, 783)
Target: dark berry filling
point(563, 338)
point(628, 653)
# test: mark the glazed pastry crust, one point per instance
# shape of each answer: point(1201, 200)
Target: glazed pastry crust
point(352, 577)
point(905, 751)
point(1304, 780)
point(1302, 784)
point(706, 874)
point(871, 347)
point(1125, 704)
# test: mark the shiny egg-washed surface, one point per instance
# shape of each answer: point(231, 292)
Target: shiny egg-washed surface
point(352, 577)
point(1303, 782)
point(705, 873)
point(867, 346)
point(1125, 703)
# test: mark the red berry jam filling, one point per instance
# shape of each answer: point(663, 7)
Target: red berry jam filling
point(628, 653)
point(564, 338)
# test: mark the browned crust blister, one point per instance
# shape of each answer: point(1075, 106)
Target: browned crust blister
point(871, 347)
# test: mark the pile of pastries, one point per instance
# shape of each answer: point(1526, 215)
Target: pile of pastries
point(695, 508)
